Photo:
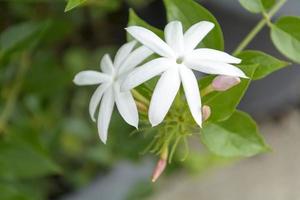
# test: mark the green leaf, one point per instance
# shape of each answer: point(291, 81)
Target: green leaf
point(135, 20)
point(223, 104)
point(257, 6)
point(266, 64)
point(19, 37)
point(237, 136)
point(285, 34)
point(189, 13)
point(73, 3)
point(20, 159)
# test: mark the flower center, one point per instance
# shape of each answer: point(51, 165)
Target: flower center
point(179, 60)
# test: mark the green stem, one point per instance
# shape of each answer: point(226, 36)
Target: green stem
point(140, 97)
point(259, 26)
point(13, 96)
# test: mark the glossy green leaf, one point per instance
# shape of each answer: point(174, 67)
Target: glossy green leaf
point(237, 136)
point(257, 6)
point(223, 104)
point(135, 20)
point(74, 3)
point(266, 64)
point(285, 34)
point(190, 12)
point(19, 37)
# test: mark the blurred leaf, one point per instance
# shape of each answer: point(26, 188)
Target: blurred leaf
point(135, 20)
point(20, 159)
point(266, 64)
point(190, 12)
point(19, 37)
point(237, 136)
point(285, 34)
point(257, 6)
point(223, 104)
point(73, 3)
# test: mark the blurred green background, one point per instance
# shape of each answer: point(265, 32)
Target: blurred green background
point(48, 145)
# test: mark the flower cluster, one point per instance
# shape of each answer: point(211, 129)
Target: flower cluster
point(178, 55)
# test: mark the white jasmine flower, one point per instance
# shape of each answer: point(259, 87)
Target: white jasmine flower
point(178, 58)
point(108, 91)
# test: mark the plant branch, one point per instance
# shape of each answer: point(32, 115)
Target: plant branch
point(13, 95)
point(259, 26)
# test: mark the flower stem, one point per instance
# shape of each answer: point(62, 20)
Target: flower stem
point(140, 97)
point(259, 26)
point(13, 95)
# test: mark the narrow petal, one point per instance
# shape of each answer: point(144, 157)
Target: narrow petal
point(105, 112)
point(90, 77)
point(123, 53)
point(192, 94)
point(195, 34)
point(135, 58)
point(95, 100)
point(163, 96)
point(126, 106)
point(174, 37)
point(107, 65)
point(213, 55)
point(150, 40)
point(146, 72)
point(218, 68)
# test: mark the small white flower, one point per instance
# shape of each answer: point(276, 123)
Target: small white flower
point(109, 92)
point(178, 58)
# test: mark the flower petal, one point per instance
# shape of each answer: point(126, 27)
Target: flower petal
point(107, 65)
point(146, 72)
point(192, 94)
point(195, 34)
point(174, 37)
point(105, 112)
point(218, 68)
point(213, 55)
point(123, 53)
point(150, 40)
point(90, 77)
point(135, 58)
point(95, 100)
point(163, 96)
point(126, 106)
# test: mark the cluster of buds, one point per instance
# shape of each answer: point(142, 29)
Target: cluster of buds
point(220, 83)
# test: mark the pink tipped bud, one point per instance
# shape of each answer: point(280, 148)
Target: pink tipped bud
point(160, 167)
point(222, 83)
point(206, 112)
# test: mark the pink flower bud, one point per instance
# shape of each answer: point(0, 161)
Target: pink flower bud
point(206, 112)
point(160, 167)
point(222, 83)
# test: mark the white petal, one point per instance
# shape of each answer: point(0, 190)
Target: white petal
point(163, 96)
point(90, 77)
point(107, 65)
point(218, 68)
point(150, 40)
point(192, 94)
point(174, 37)
point(105, 112)
point(135, 58)
point(213, 55)
point(146, 72)
point(95, 100)
point(123, 53)
point(126, 106)
point(195, 34)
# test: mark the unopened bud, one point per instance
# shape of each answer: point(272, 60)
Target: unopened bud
point(206, 112)
point(222, 83)
point(160, 167)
